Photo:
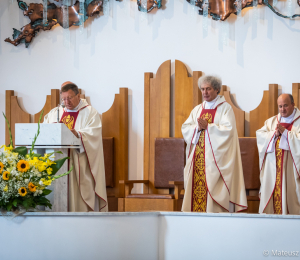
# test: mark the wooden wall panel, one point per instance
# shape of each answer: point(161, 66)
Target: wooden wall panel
point(296, 95)
point(51, 102)
point(147, 78)
point(47, 108)
point(157, 116)
point(266, 109)
point(238, 113)
point(18, 116)
point(8, 95)
point(115, 124)
point(187, 94)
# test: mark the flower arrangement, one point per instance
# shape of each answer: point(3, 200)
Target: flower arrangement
point(24, 177)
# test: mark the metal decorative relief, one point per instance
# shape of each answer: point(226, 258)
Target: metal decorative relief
point(222, 9)
point(149, 5)
point(54, 15)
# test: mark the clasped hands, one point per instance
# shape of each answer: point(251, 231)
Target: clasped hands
point(202, 123)
point(279, 130)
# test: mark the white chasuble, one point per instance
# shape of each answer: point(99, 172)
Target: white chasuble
point(87, 187)
point(223, 173)
point(279, 166)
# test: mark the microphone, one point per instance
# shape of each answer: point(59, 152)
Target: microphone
point(63, 106)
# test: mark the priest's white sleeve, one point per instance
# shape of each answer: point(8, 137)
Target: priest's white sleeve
point(283, 144)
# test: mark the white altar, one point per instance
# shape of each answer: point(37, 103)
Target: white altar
point(149, 235)
point(52, 137)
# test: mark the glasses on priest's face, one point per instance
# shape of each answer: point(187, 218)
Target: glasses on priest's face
point(67, 99)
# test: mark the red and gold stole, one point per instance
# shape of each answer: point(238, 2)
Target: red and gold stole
point(277, 195)
point(199, 188)
point(69, 119)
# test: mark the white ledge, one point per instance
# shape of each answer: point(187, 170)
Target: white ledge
point(162, 213)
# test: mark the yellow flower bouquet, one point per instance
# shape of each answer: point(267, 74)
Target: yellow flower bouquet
point(25, 176)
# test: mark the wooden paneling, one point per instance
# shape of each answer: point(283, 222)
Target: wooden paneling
point(18, 116)
point(187, 94)
point(55, 98)
point(159, 115)
point(223, 88)
point(8, 95)
point(47, 108)
point(266, 109)
point(51, 102)
point(238, 113)
point(273, 96)
point(136, 205)
point(296, 95)
point(148, 76)
point(115, 124)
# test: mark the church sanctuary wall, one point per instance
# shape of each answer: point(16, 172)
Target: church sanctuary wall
point(115, 51)
point(150, 235)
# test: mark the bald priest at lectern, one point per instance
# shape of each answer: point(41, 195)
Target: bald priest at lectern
point(87, 188)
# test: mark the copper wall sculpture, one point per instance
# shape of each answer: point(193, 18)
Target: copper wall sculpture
point(151, 4)
point(222, 9)
point(54, 16)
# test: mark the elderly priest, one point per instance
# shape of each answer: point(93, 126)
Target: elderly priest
point(87, 188)
point(278, 144)
point(213, 175)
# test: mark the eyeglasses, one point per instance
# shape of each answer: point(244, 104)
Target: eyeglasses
point(67, 99)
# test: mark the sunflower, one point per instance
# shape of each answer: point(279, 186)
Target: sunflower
point(31, 187)
point(1, 167)
point(5, 176)
point(22, 191)
point(23, 166)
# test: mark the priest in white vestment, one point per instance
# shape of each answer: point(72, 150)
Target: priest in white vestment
point(87, 187)
point(278, 144)
point(213, 175)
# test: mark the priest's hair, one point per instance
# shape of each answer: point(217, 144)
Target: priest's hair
point(292, 98)
point(214, 81)
point(69, 86)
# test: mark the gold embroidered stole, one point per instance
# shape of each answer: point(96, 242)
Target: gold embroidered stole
point(69, 119)
point(199, 189)
point(277, 195)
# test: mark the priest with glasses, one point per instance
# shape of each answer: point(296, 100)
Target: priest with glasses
point(87, 187)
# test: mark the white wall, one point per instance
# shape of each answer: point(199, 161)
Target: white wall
point(115, 52)
point(148, 235)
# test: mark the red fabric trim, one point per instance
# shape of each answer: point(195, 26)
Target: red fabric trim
point(292, 155)
point(216, 162)
point(245, 207)
point(83, 108)
point(270, 199)
point(191, 143)
point(214, 200)
point(79, 185)
point(209, 191)
point(266, 153)
point(90, 168)
point(68, 196)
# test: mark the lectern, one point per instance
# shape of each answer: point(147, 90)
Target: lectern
point(52, 137)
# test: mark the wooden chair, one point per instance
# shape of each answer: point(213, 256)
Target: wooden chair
point(250, 162)
point(168, 174)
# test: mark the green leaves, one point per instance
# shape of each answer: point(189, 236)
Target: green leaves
point(36, 136)
point(64, 174)
point(20, 150)
point(10, 135)
point(58, 164)
point(46, 192)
